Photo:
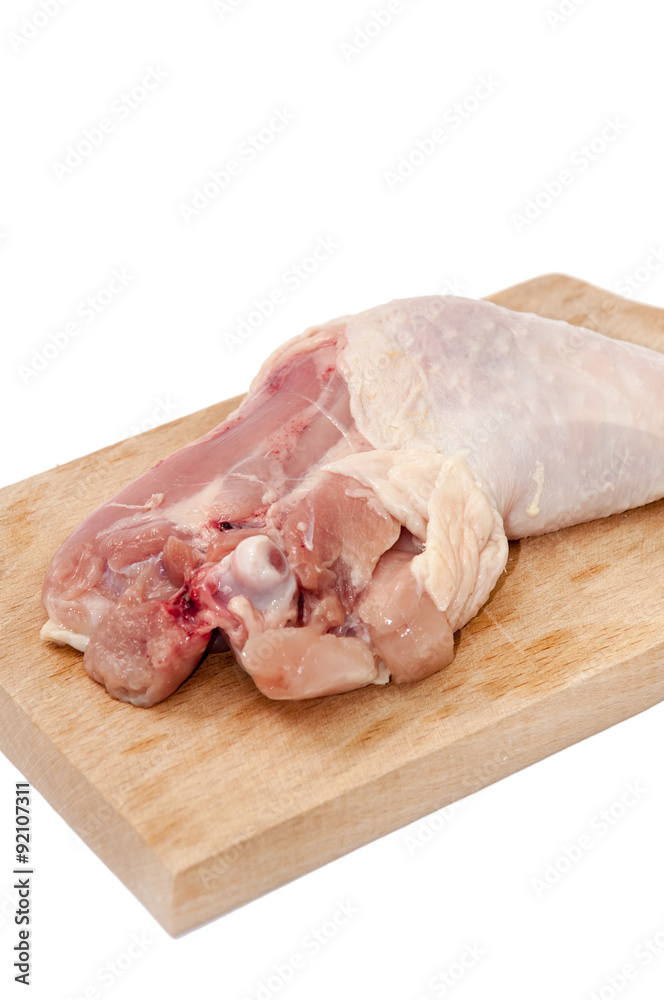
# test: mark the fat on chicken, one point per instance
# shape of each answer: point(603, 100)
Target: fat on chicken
point(355, 510)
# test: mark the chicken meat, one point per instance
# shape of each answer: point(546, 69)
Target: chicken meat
point(355, 510)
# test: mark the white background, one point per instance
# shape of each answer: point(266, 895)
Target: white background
point(158, 351)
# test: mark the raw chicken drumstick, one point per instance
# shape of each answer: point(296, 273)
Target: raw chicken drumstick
point(355, 510)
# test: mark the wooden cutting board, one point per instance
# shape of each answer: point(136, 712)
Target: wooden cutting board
point(217, 795)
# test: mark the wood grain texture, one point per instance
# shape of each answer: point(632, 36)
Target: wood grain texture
point(218, 794)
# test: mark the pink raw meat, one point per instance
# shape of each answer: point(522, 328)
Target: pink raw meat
point(354, 512)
